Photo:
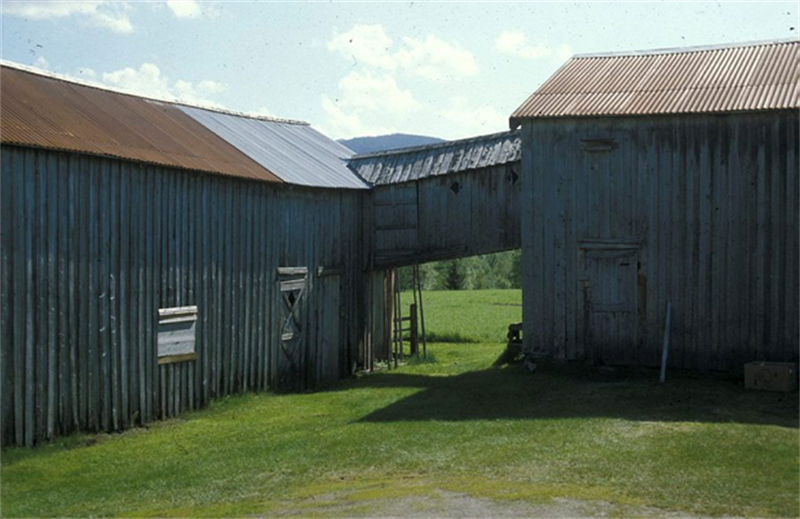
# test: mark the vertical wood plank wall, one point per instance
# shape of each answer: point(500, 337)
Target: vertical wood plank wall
point(93, 247)
point(430, 220)
point(712, 201)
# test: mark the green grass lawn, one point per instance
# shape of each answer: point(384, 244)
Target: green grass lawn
point(468, 315)
point(454, 424)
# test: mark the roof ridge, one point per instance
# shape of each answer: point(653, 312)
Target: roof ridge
point(97, 86)
point(685, 50)
point(426, 147)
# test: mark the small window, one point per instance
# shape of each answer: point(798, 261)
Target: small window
point(176, 334)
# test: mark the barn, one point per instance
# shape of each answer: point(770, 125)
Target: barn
point(436, 202)
point(156, 256)
point(442, 201)
point(658, 177)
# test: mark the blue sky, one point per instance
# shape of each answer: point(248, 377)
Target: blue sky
point(449, 70)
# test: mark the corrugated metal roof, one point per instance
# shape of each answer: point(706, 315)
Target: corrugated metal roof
point(296, 153)
point(391, 167)
point(41, 110)
point(50, 113)
point(754, 76)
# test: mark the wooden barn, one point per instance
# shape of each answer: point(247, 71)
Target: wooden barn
point(156, 256)
point(442, 201)
point(657, 177)
point(436, 202)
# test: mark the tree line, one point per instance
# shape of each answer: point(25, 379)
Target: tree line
point(500, 270)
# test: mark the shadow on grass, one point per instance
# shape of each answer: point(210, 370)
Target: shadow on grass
point(565, 391)
point(452, 337)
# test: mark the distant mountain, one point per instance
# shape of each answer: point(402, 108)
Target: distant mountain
point(387, 142)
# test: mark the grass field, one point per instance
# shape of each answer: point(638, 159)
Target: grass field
point(469, 316)
point(450, 435)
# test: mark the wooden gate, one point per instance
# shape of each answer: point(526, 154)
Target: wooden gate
point(610, 303)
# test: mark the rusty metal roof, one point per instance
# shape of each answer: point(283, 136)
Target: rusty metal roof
point(750, 76)
point(391, 167)
point(51, 113)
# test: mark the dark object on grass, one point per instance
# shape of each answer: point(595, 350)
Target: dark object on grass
point(513, 351)
point(770, 376)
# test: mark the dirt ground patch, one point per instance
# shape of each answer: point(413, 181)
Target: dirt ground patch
point(446, 504)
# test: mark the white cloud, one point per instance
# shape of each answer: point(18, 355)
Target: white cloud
point(208, 86)
point(87, 73)
point(263, 111)
point(110, 15)
point(148, 81)
point(435, 59)
point(184, 8)
point(564, 52)
point(366, 91)
point(516, 43)
point(371, 100)
point(341, 124)
point(472, 120)
point(430, 58)
point(366, 44)
point(42, 63)
point(363, 103)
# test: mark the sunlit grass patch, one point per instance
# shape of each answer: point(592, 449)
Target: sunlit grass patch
point(429, 436)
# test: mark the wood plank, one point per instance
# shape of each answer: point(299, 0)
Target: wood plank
point(41, 284)
point(205, 302)
point(776, 276)
point(229, 296)
point(72, 300)
point(63, 423)
point(762, 254)
point(692, 230)
point(104, 339)
point(792, 248)
point(155, 282)
point(133, 187)
point(6, 300)
point(247, 246)
point(139, 262)
point(29, 404)
point(113, 300)
point(53, 175)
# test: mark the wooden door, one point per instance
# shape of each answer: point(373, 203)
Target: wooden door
point(610, 305)
point(291, 328)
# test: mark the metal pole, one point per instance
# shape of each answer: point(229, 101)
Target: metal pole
point(665, 349)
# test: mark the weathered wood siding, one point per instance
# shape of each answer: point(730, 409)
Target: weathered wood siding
point(93, 247)
point(446, 216)
point(705, 205)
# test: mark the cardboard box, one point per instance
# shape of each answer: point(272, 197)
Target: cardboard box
point(770, 376)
